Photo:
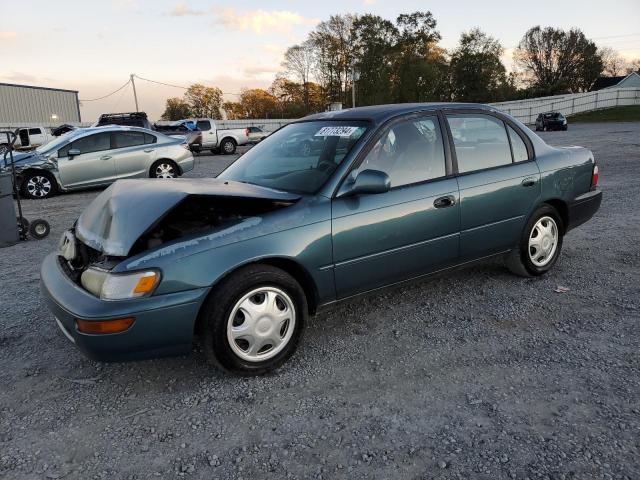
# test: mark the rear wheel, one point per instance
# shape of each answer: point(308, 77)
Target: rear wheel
point(228, 146)
point(39, 229)
point(540, 244)
point(254, 320)
point(164, 169)
point(38, 185)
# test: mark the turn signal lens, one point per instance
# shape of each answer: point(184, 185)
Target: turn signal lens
point(595, 176)
point(146, 283)
point(97, 327)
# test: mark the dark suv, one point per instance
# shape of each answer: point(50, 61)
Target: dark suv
point(551, 121)
point(133, 119)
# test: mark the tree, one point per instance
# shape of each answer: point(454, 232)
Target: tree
point(557, 61)
point(476, 71)
point(176, 109)
point(613, 63)
point(298, 62)
point(373, 42)
point(419, 64)
point(204, 101)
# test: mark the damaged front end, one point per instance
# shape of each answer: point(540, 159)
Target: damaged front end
point(132, 217)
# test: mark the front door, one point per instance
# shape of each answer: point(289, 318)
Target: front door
point(499, 183)
point(379, 239)
point(94, 165)
point(209, 133)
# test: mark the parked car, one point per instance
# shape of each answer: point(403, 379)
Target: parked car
point(139, 119)
point(397, 192)
point(27, 138)
point(96, 156)
point(219, 140)
point(257, 134)
point(551, 121)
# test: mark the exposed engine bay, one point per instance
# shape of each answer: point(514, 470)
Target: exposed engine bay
point(202, 214)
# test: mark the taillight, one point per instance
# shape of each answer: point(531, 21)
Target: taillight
point(246, 132)
point(594, 176)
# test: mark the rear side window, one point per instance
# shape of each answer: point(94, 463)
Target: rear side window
point(480, 141)
point(203, 125)
point(88, 144)
point(517, 146)
point(35, 131)
point(128, 139)
point(148, 138)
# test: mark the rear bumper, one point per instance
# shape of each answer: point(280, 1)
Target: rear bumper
point(186, 164)
point(583, 208)
point(163, 323)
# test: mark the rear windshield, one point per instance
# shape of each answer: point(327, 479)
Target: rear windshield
point(299, 157)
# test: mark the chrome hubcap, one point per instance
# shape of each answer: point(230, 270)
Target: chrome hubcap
point(39, 186)
point(543, 241)
point(228, 147)
point(261, 324)
point(165, 170)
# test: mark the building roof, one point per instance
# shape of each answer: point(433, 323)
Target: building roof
point(36, 87)
point(382, 113)
point(620, 81)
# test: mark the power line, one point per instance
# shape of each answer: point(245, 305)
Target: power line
point(175, 86)
point(105, 96)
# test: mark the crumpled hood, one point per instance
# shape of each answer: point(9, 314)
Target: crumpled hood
point(117, 217)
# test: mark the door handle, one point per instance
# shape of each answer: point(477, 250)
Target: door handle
point(528, 182)
point(148, 150)
point(105, 157)
point(443, 202)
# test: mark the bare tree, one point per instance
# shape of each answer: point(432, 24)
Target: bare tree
point(614, 63)
point(298, 62)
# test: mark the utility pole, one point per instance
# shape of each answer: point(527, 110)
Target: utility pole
point(135, 95)
point(353, 86)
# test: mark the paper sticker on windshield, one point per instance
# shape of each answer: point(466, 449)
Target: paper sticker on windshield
point(336, 131)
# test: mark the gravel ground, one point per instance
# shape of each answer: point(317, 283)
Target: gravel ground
point(476, 374)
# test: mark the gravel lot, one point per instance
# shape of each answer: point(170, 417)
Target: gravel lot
point(477, 374)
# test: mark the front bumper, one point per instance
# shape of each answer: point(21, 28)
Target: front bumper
point(583, 208)
point(163, 323)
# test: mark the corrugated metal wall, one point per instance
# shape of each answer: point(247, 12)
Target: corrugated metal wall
point(35, 105)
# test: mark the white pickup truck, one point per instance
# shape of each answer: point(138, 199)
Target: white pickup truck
point(219, 140)
point(28, 138)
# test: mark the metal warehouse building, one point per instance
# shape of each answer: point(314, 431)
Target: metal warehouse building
point(27, 105)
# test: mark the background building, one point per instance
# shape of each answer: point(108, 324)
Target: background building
point(22, 105)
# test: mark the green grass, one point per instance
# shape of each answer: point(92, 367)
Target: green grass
point(629, 113)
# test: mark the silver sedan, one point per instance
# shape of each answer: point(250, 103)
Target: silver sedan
point(92, 157)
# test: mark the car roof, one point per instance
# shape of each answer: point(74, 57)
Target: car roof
point(111, 128)
point(382, 113)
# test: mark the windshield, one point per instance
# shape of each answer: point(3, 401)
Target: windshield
point(59, 142)
point(299, 157)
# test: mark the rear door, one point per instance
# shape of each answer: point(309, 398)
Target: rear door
point(499, 182)
point(133, 153)
point(209, 136)
point(94, 166)
point(379, 239)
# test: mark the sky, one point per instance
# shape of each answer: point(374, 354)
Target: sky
point(94, 45)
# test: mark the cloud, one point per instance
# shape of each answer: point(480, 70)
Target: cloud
point(256, 70)
point(7, 35)
point(369, 2)
point(182, 10)
point(261, 21)
point(19, 77)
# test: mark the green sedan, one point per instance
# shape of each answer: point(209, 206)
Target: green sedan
point(392, 193)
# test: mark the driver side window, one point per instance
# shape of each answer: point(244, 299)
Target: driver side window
point(91, 143)
point(410, 151)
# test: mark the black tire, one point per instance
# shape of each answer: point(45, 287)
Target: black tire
point(565, 128)
point(518, 260)
point(218, 308)
point(228, 146)
point(38, 185)
point(23, 226)
point(39, 229)
point(164, 168)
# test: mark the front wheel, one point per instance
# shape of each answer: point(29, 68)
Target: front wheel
point(540, 244)
point(38, 185)
point(164, 169)
point(253, 320)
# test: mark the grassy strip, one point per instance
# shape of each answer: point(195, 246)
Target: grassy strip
point(629, 113)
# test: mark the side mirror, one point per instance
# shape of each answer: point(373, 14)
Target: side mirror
point(367, 182)
point(74, 152)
